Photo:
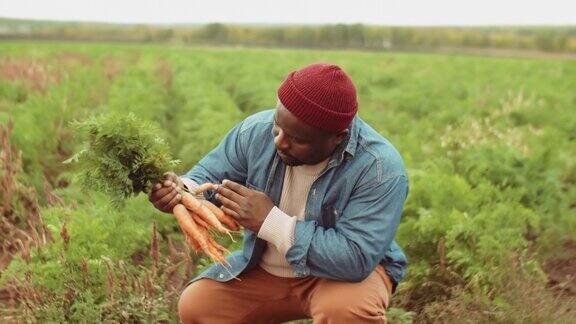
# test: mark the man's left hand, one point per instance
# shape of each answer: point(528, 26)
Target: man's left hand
point(248, 207)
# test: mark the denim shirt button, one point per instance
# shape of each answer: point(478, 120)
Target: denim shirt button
point(221, 276)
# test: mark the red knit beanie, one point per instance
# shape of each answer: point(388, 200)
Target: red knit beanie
point(321, 95)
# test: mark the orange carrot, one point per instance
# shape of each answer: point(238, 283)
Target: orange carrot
point(217, 251)
point(203, 187)
point(189, 227)
point(193, 243)
point(199, 220)
point(196, 233)
point(222, 217)
point(202, 211)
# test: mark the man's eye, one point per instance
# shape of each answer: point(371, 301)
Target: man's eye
point(298, 141)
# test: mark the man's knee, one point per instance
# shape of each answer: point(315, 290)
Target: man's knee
point(345, 309)
point(339, 302)
point(189, 305)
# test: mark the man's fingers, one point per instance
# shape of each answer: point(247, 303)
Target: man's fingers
point(158, 194)
point(230, 194)
point(170, 176)
point(168, 207)
point(164, 195)
point(205, 186)
point(169, 183)
point(238, 188)
point(152, 193)
point(154, 189)
point(230, 212)
point(166, 199)
point(228, 203)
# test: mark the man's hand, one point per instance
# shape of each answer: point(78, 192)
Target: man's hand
point(248, 207)
point(164, 196)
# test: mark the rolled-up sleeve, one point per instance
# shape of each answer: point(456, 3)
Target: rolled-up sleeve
point(360, 238)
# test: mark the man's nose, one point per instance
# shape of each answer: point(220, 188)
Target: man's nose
point(281, 142)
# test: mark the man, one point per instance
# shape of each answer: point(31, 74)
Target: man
point(319, 194)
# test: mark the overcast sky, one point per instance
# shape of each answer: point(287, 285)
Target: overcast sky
point(381, 12)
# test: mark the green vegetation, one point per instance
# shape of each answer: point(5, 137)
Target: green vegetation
point(123, 156)
point(489, 143)
point(357, 36)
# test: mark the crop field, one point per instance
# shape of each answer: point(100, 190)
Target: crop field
point(489, 143)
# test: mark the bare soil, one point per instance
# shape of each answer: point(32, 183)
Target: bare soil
point(562, 270)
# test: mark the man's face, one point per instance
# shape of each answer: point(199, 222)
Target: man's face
point(298, 143)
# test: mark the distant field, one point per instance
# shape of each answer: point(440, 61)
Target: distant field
point(489, 143)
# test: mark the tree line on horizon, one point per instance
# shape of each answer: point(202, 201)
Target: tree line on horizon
point(348, 36)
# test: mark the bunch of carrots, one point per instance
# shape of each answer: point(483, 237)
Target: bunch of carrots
point(123, 156)
point(198, 217)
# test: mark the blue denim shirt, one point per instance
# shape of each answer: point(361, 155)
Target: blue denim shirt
point(352, 211)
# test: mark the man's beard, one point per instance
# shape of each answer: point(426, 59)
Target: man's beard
point(289, 160)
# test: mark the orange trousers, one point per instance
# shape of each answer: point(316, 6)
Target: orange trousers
point(264, 298)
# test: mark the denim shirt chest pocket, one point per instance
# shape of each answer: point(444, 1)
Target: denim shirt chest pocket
point(330, 216)
point(329, 207)
point(333, 204)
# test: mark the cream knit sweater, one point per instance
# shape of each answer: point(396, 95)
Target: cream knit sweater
point(278, 227)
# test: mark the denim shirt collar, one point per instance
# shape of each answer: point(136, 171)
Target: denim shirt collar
point(348, 146)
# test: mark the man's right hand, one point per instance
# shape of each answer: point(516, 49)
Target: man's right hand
point(165, 195)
